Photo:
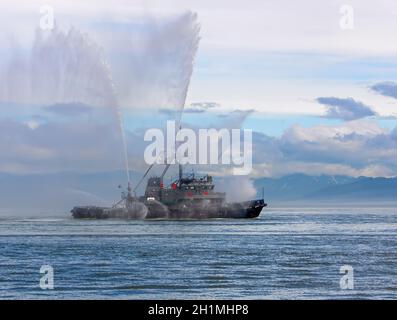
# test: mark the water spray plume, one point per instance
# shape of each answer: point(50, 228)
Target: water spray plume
point(70, 67)
point(116, 106)
point(191, 40)
point(63, 67)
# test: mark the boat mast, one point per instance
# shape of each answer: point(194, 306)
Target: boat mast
point(179, 164)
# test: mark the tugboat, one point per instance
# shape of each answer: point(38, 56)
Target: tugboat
point(188, 197)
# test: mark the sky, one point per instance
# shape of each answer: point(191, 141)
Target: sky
point(320, 98)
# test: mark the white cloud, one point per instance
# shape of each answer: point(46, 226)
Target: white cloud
point(353, 148)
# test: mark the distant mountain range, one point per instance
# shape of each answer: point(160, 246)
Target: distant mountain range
point(322, 188)
point(62, 191)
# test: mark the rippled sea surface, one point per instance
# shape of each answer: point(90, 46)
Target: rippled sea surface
point(288, 253)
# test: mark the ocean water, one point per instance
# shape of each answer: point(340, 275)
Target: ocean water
point(287, 253)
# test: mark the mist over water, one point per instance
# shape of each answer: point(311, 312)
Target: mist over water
point(237, 188)
point(161, 208)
